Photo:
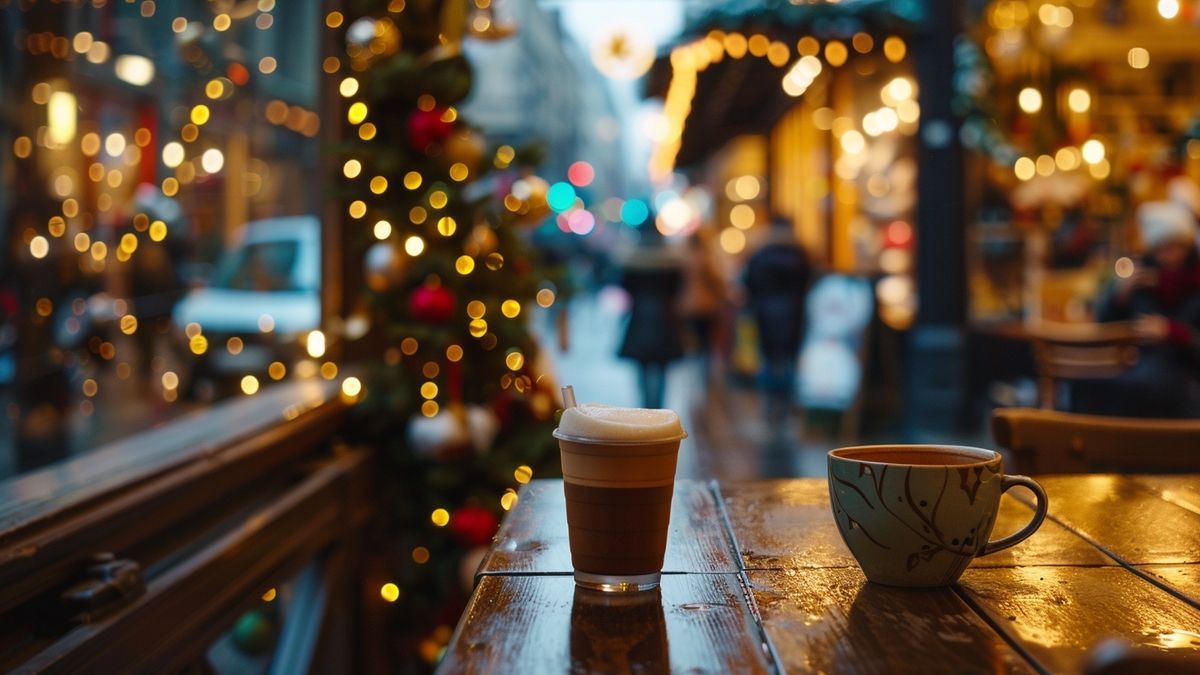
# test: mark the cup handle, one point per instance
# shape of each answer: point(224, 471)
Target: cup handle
point(1039, 514)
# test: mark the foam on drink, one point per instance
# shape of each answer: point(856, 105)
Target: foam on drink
point(610, 423)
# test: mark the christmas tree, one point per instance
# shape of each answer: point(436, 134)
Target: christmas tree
point(441, 219)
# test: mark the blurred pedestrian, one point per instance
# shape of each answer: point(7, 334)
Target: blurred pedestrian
point(1162, 297)
point(652, 276)
point(705, 294)
point(776, 280)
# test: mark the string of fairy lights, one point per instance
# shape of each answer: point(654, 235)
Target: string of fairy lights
point(111, 158)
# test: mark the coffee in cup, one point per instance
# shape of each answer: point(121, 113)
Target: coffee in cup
point(618, 474)
point(917, 515)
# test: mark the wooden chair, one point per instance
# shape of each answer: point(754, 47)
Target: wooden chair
point(1047, 441)
point(1065, 351)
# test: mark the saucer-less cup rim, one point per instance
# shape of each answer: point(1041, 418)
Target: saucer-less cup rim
point(985, 456)
point(586, 440)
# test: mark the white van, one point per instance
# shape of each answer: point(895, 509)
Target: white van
point(265, 292)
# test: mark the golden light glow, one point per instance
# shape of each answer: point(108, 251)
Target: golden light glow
point(1044, 165)
point(169, 380)
point(464, 264)
point(476, 309)
point(366, 131)
point(894, 49)
point(221, 22)
point(90, 387)
point(741, 216)
point(314, 344)
point(454, 353)
point(523, 474)
point(382, 230)
point(1138, 58)
point(379, 185)
point(329, 370)
point(732, 241)
point(267, 65)
point(62, 116)
point(129, 324)
point(429, 408)
point(39, 247)
point(200, 114)
point(1030, 100)
point(446, 226)
point(414, 246)
point(173, 154)
point(1067, 159)
point(1093, 151)
point(357, 209)
point(348, 87)
point(508, 500)
point(1079, 100)
point(1124, 267)
point(357, 113)
point(158, 230)
point(430, 369)
point(23, 147)
point(510, 308)
point(389, 592)
point(458, 171)
point(477, 328)
point(514, 360)
point(808, 46)
point(412, 180)
point(1168, 9)
point(234, 345)
point(438, 199)
point(836, 53)
point(213, 160)
point(352, 168)
point(276, 370)
point(269, 596)
point(198, 345)
point(429, 390)
point(545, 297)
point(409, 346)
point(334, 19)
point(440, 517)
point(351, 387)
point(249, 385)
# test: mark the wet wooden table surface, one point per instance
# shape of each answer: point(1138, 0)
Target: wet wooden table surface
point(757, 579)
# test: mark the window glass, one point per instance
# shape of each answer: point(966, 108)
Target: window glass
point(155, 158)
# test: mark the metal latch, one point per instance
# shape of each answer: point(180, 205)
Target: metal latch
point(109, 583)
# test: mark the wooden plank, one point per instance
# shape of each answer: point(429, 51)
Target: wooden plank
point(1183, 579)
point(1057, 613)
point(833, 620)
point(1125, 518)
point(536, 624)
point(1183, 491)
point(787, 524)
point(533, 537)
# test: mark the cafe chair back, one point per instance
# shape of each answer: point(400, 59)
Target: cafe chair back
point(1063, 352)
point(1116, 657)
point(1048, 441)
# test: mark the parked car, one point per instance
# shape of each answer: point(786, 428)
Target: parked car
point(265, 292)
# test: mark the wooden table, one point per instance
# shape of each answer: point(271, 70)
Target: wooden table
point(757, 579)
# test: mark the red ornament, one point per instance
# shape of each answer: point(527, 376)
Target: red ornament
point(432, 304)
point(426, 127)
point(473, 525)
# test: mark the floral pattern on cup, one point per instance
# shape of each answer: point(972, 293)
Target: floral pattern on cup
point(920, 524)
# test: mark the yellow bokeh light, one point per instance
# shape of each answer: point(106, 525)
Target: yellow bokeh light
point(523, 474)
point(458, 171)
point(510, 308)
point(222, 22)
point(352, 168)
point(508, 500)
point(90, 387)
point(357, 112)
point(1044, 165)
point(128, 324)
point(545, 297)
point(329, 370)
point(379, 185)
point(412, 180)
point(417, 215)
point(158, 230)
point(732, 241)
point(129, 242)
point(429, 408)
point(351, 387)
point(836, 53)
point(464, 264)
point(276, 370)
point(267, 65)
point(334, 19)
point(414, 246)
point(477, 328)
point(382, 230)
point(440, 517)
point(430, 369)
point(446, 226)
point(358, 209)
point(39, 247)
point(438, 199)
point(389, 592)
point(1079, 100)
point(234, 345)
point(348, 87)
point(269, 595)
point(198, 345)
point(454, 353)
point(429, 390)
point(476, 309)
point(894, 49)
point(1024, 168)
point(214, 89)
point(742, 216)
point(200, 114)
point(1138, 58)
point(1030, 100)
point(514, 360)
point(409, 346)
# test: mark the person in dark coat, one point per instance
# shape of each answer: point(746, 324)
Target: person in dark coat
point(653, 277)
point(776, 280)
point(1162, 297)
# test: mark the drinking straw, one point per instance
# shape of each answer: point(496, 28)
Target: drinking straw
point(568, 393)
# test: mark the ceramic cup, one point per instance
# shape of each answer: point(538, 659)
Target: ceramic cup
point(916, 515)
